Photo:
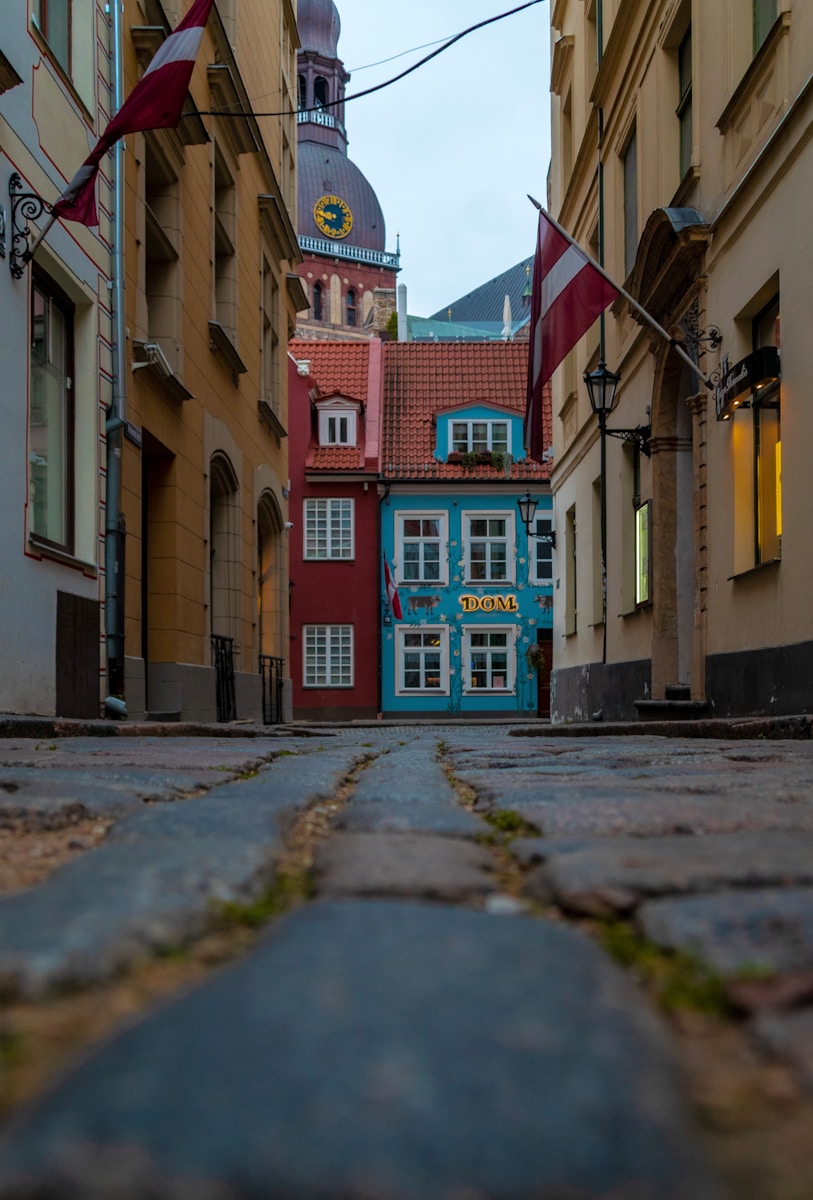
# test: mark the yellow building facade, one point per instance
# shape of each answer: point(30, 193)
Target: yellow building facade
point(682, 158)
point(211, 301)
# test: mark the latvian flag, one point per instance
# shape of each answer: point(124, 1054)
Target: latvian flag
point(567, 294)
point(156, 102)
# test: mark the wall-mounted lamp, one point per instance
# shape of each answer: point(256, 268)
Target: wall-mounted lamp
point(528, 505)
point(601, 388)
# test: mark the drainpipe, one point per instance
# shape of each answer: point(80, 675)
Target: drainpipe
point(114, 704)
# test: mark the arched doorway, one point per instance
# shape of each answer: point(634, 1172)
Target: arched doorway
point(271, 599)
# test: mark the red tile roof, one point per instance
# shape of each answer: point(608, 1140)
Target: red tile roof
point(424, 378)
point(335, 458)
point(335, 366)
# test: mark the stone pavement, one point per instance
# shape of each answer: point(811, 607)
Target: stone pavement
point(437, 1016)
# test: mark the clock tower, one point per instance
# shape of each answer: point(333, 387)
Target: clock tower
point(348, 274)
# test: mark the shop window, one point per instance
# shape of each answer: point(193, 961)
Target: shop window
point(757, 448)
point(489, 539)
point(329, 529)
point(489, 659)
point(643, 553)
point(422, 660)
point(476, 437)
point(421, 541)
point(51, 415)
point(328, 656)
point(684, 108)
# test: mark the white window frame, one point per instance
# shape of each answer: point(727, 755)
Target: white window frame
point(510, 545)
point(338, 641)
point(543, 523)
point(313, 504)
point(401, 649)
point(442, 517)
point(331, 420)
point(510, 632)
point(470, 422)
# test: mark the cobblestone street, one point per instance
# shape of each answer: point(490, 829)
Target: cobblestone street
point(452, 962)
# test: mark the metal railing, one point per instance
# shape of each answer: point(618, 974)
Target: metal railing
point(223, 656)
point(271, 673)
point(381, 258)
point(315, 116)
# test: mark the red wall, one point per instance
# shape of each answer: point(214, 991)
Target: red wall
point(333, 593)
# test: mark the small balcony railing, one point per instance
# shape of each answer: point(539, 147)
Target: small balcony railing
point(271, 673)
point(223, 657)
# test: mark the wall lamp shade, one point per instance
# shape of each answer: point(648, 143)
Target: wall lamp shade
point(527, 510)
point(601, 385)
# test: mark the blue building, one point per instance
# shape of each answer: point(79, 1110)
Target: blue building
point(475, 594)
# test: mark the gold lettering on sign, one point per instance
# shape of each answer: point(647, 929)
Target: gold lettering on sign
point(488, 604)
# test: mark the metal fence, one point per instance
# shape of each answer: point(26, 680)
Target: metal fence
point(271, 672)
point(223, 655)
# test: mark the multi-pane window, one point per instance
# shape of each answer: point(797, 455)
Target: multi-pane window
point(489, 666)
point(764, 17)
point(329, 529)
point(351, 307)
point(488, 541)
point(542, 550)
point(422, 660)
point(684, 108)
point(50, 434)
point(421, 553)
point(53, 18)
point(328, 656)
point(478, 436)
point(270, 337)
point(317, 305)
point(630, 173)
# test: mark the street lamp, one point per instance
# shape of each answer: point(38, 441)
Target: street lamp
point(601, 385)
point(528, 505)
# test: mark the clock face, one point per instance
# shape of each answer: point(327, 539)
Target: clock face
point(333, 216)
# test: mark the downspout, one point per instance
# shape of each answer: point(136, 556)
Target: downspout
point(114, 704)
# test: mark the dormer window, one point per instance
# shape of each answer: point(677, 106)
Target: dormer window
point(337, 424)
point(478, 436)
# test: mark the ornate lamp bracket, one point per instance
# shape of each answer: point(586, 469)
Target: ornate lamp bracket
point(25, 207)
point(698, 340)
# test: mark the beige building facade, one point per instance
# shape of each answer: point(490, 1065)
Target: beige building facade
point(682, 158)
point(211, 300)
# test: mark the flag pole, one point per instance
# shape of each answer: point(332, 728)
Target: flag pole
point(673, 342)
point(43, 233)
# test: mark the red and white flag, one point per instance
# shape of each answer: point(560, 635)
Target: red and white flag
point(568, 292)
point(392, 592)
point(156, 102)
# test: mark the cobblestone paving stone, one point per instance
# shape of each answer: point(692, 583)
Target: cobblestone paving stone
point(411, 1033)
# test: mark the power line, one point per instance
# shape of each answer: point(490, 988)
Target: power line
point(379, 86)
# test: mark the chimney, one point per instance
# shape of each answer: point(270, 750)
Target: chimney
point(403, 335)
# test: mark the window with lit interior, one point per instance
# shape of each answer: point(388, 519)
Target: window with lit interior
point(489, 658)
point(422, 660)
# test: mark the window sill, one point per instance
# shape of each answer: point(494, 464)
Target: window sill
point(749, 572)
point(746, 86)
point(46, 550)
point(636, 612)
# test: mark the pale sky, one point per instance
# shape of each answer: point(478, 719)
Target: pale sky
point(453, 149)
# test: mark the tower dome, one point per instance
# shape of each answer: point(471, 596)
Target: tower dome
point(325, 171)
point(319, 27)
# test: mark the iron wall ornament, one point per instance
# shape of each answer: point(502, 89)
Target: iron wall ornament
point(25, 207)
point(699, 340)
